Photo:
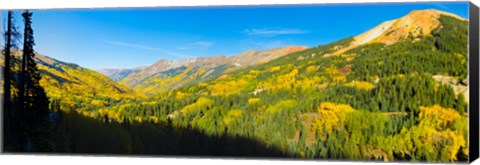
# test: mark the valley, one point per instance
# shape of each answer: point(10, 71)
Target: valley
point(395, 92)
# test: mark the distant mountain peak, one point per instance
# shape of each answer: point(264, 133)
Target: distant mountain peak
point(204, 66)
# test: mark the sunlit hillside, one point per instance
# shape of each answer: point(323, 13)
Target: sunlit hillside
point(396, 92)
point(79, 88)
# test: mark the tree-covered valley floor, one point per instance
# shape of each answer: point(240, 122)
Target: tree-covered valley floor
point(372, 102)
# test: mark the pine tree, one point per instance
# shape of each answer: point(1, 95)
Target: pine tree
point(7, 69)
point(14, 134)
point(10, 136)
point(36, 101)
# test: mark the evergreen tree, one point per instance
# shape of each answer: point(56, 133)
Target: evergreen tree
point(12, 117)
point(7, 108)
point(36, 100)
point(7, 69)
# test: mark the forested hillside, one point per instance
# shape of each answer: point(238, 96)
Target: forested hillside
point(375, 99)
point(77, 87)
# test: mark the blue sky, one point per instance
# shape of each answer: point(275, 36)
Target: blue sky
point(126, 38)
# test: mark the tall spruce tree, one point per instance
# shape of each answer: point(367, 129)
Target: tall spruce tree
point(36, 102)
point(13, 123)
point(7, 60)
point(8, 142)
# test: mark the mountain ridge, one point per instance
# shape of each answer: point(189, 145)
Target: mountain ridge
point(414, 24)
point(243, 59)
point(201, 68)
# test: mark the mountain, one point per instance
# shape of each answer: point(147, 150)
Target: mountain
point(419, 27)
point(388, 93)
point(117, 74)
point(416, 23)
point(169, 74)
point(73, 85)
point(166, 75)
point(60, 77)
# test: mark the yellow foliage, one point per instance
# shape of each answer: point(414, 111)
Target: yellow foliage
point(181, 75)
point(438, 115)
point(125, 106)
point(202, 84)
point(311, 69)
point(232, 115)
point(283, 81)
point(112, 114)
point(331, 71)
point(86, 113)
point(292, 74)
point(156, 85)
point(289, 66)
point(460, 58)
point(339, 79)
point(281, 105)
point(149, 103)
point(335, 75)
point(427, 138)
point(349, 56)
point(331, 116)
point(154, 119)
point(457, 141)
point(229, 87)
point(301, 154)
point(199, 73)
point(328, 120)
point(362, 85)
point(138, 119)
point(335, 107)
point(103, 112)
point(437, 118)
point(254, 72)
point(180, 95)
point(227, 120)
point(275, 68)
point(69, 84)
point(201, 103)
point(253, 100)
point(438, 128)
point(310, 83)
point(235, 113)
